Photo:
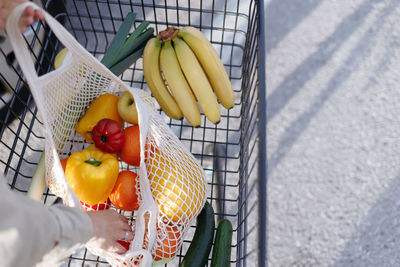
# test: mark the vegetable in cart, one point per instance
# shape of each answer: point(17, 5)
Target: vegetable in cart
point(91, 174)
point(103, 107)
point(221, 256)
point(108, 136)
point(199, 249)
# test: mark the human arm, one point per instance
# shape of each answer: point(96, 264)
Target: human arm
point(32, 233)
point(29, 230)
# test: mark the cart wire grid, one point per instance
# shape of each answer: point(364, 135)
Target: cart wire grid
point(232, 153)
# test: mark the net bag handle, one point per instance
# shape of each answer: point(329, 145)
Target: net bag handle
point(18, 43)
point(22, 53)
point(27, 66)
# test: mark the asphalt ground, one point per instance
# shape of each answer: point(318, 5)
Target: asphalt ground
point(22, 148)
point(333, 132)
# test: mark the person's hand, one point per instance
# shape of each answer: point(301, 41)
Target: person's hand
point(27, 18)
point(109, 226)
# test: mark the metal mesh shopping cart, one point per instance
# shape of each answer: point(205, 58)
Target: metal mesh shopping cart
point(232, 152)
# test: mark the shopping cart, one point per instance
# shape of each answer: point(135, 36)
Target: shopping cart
point(232, 152)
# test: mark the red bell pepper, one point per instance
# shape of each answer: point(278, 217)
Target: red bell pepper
point(107, 136)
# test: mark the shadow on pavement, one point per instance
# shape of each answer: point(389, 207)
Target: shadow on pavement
point(310, 66)
point(294, 82)
point(281, 19)
point(376, 241)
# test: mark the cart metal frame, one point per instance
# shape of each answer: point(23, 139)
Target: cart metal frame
point(233, 153)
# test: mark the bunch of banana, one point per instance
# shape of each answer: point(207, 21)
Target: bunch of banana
point(190, 70)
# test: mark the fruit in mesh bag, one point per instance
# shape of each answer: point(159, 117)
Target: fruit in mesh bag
point(123, 195)
point(127, 108)
point(170, 243)
point(130, 151)
point(125, 244)
point(58, 61)
point(177, 184)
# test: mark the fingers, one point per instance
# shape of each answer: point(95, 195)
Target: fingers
point(110, 228)
point(120, 235)
point(122, 218)
point(38, 14)
point(117, 248)
point(130, 237)
point(34, 14)
point(28, 12)
point(119, 219)
point(125, 225)
point(22, 28)
point(26, 21)
point(28, 17)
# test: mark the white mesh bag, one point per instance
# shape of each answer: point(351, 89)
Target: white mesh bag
point(171, 184)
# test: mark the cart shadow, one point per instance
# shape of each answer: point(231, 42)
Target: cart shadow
point(280, 21)
point(284, 92)
point(310, 66)
point(376, 241)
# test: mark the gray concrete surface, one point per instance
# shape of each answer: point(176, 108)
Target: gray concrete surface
point(333, 132)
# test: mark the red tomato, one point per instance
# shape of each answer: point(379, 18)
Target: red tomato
point(107, 136)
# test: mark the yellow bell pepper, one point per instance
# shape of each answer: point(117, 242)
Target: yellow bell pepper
point(91, 174)
point(103, 107)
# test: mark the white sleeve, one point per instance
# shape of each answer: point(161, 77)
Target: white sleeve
point(31, 233)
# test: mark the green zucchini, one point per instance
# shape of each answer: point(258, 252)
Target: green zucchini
point(221, 256)
point(199, 249)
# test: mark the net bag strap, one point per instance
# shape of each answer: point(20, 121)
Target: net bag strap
point(26, 63)
point(20, 48)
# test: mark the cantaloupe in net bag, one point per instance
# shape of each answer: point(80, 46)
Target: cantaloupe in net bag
point(170, 183)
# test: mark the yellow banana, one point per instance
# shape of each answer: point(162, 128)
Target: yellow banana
point(197, 80)
point(151, 70)
point(178, 85)
point(211, 64)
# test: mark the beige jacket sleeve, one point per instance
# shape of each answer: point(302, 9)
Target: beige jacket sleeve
point(31, 233)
